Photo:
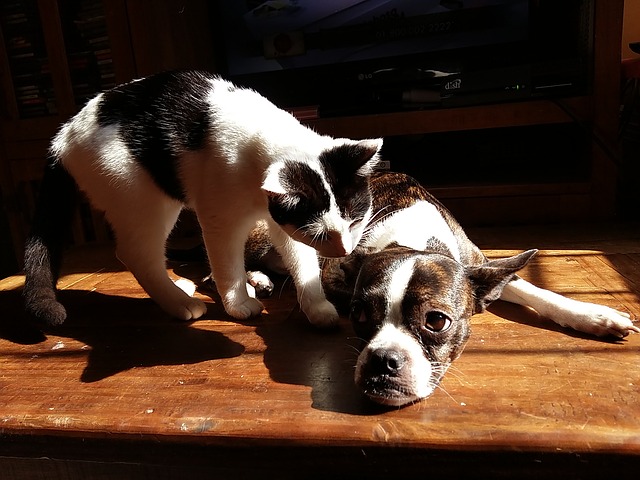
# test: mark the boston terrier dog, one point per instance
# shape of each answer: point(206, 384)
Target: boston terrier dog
point(412, 284)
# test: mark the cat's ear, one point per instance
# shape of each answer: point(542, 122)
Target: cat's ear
point(366, 156)
point(272, 184)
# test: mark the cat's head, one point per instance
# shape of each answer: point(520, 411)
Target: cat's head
point(325, 203)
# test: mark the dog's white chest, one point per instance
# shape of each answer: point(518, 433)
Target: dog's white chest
point(413, 227)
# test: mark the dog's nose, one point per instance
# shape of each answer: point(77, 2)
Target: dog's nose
point(388, 362)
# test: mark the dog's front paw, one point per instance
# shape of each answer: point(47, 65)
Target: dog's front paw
point(261, 284)
point(186, 285)
point(322, 314)
point(601, 320)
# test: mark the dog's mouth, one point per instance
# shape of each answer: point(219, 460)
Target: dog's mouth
point(398, 391)
point(386, 390)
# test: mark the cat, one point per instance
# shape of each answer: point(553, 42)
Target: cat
point(146, 149)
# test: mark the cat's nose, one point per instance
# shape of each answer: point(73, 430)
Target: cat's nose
point(338, 246)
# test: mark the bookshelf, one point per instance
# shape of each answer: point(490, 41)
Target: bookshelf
point(88, 48)
point(57, 54)
point(54, 55)
point(32, 82)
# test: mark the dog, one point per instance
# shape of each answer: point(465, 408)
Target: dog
point(412, 285)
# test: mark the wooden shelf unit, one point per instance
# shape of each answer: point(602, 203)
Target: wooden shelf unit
point(147, 36)
point(534, 112)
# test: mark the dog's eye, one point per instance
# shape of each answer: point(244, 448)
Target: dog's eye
point(357, 313)
point(436, 322)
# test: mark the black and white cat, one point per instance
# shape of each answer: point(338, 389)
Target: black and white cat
point(146, 149)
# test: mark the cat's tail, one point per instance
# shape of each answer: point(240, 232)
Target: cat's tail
point(43, 250)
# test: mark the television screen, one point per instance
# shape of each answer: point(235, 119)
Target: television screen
point(274, 35)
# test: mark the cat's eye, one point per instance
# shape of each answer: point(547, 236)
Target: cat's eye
point(357, 313)
point(436, 322)
point(355, 224)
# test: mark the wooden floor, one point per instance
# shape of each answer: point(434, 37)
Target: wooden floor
point(122, 391)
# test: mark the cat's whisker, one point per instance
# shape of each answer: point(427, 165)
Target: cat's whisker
point(378, 212)
point(284, 283)
point(376, 218)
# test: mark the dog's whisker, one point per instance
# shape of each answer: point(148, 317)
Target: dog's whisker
point(455, 372)
point(459, 378)
point(354, 349)
point(359, 339)
point(442, 389)
point(351, 363)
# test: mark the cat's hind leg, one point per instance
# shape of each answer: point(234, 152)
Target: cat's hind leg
point(141, 233)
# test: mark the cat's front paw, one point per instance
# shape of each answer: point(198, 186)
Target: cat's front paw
point(241, 310)
point(189, 309)
point(322, 314)
point(601, 321)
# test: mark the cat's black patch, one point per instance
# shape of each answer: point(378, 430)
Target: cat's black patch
point(351, 190)
point(307, 189)
point(158, 117)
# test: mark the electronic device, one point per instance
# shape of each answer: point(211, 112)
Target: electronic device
point(362, 56)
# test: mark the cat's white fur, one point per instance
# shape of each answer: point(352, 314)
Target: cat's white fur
point(226, 184)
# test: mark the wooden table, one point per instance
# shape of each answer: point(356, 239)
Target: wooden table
point(122, 391)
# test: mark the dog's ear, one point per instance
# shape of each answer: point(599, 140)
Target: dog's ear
point(490, 278)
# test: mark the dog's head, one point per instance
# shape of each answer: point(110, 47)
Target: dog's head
point(412, 309)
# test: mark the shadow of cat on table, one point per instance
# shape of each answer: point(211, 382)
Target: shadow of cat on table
point(128, 333)
point(299, 354)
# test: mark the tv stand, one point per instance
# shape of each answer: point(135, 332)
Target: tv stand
point(479, 200)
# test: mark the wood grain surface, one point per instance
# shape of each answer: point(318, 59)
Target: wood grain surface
point(121, 373)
